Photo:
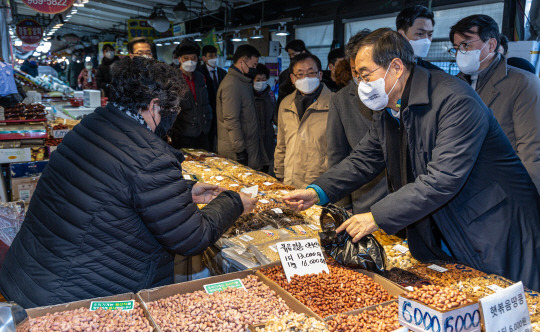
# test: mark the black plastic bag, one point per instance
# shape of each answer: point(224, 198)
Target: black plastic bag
point(367, 254)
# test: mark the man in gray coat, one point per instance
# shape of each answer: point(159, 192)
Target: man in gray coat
point(238, 133)
point(349, 121)
point(458, 186)
point(512, 93)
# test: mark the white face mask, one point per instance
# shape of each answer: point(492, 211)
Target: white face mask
point(420, 47)
point(469, 62)
point(212, 62)
point(259, 86)
point(373, 94)
point(189, 66)
point(89, 68)
point(109, 55)
point(307, 85)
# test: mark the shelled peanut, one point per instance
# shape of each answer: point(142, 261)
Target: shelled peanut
point(230, 310)
point(382, 319)
point(293, 322)
point(441, 298)
point(329, 294)
point(100, 320)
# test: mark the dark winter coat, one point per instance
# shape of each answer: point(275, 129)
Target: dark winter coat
point(349, 121)
point(29, 68)
point(72, 73)
point(468, 179)
point(103, 75)
point(265, 105)
point(195, 117)
point(108, 215)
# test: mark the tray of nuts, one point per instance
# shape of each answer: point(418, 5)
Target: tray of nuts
point(445, 274)
point(291, 322)
point(380, 318)
point(340, 291)
point(442, 299)
point(186, 306)
point(77, 316)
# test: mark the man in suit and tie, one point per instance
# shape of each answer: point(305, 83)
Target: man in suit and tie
point(213, 76)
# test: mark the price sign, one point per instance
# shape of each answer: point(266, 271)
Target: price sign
point(60, 133)
point(253, 191)
point(29, 31)
point(221, 286)
point(507, 310)
point(301, 257)
point(49, 6)
point(437, 268)
point(112, 305)
point(400, 248)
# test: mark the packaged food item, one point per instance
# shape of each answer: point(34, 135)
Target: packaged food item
point(254, 238)
point(265, 253)
point(398, 255)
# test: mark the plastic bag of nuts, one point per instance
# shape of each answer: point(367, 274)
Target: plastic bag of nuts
point(439, 298)
point(255, 237)
point(328, 294)
point(398, 255)
point(267, 253)
point(100, 320)
point(230, 310)
point(293, 322)
point(382, 319)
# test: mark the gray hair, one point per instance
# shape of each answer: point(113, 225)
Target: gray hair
point(352, 45)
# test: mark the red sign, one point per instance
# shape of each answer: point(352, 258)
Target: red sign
point(29, 31)
point(49, 6)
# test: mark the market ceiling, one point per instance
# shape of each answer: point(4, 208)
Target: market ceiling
point(110, 15)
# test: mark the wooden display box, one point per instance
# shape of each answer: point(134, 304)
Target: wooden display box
point(392, 288)
point(42, 311)
point(149, 295)
point(420, 317)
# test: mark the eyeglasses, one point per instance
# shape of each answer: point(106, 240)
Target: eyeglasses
point(463, 48)
point(142, 53)
point(365, 77)
point(310, 74)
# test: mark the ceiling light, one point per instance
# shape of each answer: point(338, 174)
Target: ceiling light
point(176, 43)
point(159, 44)
point(68, 15)
point(236, 37)
point(282, 30)
point(197, 39)
point(257, 34)
point(18, 43)
point(180, 11)
point(166, 44)
point(212, 5)
point(159, 21)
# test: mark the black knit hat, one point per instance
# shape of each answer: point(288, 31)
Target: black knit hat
point(186, 47)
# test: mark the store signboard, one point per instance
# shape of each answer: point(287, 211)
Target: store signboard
point(29, 31)
point(221, 286)
point(49, 6)
point(179, 29)
point(506, 310)
point(112, 305)
point(142, 28)
point(301, 257)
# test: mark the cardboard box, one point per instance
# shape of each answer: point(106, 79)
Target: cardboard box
point(149, 295)
point(23, 188)
point(92, 98)
point(392, 288)
point(42, 311)
point(419, 317)
point(35, 168)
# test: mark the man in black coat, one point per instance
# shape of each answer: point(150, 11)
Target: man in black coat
point(349, 121)
point(103, 74)
point(416, 24)
point(213, 75)
point(111, 209)
point(192, 125)
point(456, 183)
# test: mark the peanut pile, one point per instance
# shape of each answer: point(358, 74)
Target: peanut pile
point(293, 322)
point(230, 310)
point(100, 320)
point(456, 272)
point(382, 319)
point(442, 298)
point(329, 294)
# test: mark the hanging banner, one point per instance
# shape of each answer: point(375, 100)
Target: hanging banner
point(141, 28)
point(49, 6)
point(29, 31)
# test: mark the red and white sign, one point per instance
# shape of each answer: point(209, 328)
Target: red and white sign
point(49, 6)
point(29, 31)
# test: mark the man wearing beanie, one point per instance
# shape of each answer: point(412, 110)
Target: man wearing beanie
point(192, 125)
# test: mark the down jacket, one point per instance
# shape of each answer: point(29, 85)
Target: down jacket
point(468, 179)
point(108, 215)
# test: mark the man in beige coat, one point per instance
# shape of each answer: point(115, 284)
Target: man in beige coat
point(238, 133)
point(301, 155)
point(512, 93)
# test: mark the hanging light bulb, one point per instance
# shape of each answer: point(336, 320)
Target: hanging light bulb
point(212, 5)
point(257, 34)
point(282, 30)
point(236, 37)
point(180, 11)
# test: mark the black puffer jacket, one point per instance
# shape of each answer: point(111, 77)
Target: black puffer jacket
point(110, 211)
